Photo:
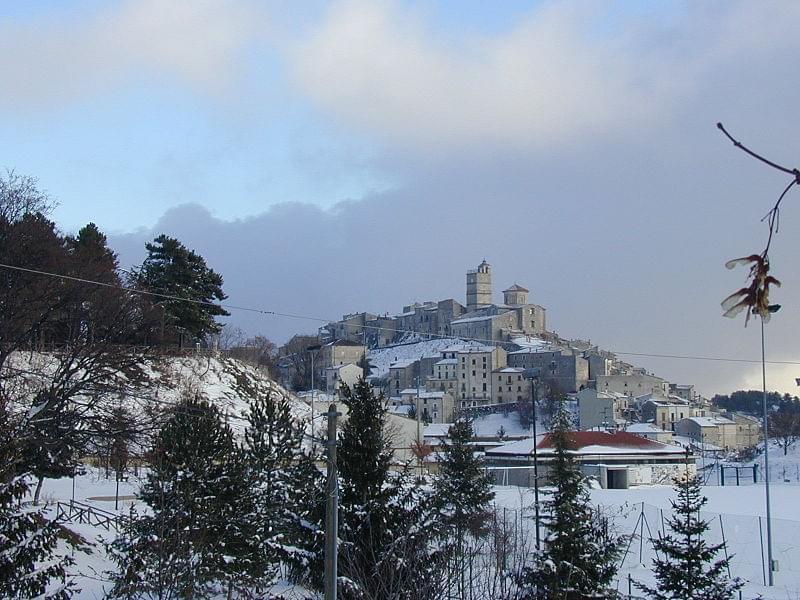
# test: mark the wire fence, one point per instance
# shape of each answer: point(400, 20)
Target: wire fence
point(743, 539)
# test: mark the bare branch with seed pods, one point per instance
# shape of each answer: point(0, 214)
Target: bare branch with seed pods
point(754, 297)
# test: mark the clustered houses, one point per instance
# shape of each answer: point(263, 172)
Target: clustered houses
point(481, 319)
point(498, 351)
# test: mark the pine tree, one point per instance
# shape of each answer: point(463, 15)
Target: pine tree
point(191, 544)
point(172, 269)
point(386, 525)
point(579, 556)
point(462, 489)
point(29, 564)
point(462, 493)
point(687, 565)
point(285, 491)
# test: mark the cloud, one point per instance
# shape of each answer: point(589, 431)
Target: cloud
point(49, 60)
point(564, 74)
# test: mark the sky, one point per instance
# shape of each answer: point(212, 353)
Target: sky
point(332, 157)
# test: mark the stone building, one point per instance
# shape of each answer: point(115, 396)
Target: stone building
point(510, 385)
point(432, 406)
point(402, 374)
point(635, 383)
point(481, 319)
point(351, 328)
point(566, 367)
point(479, 287)
point(474, 368)
point(337, 375)
point(602, 410)
point(748, 429)
point(339, 352)
point(715, 430)
point(665, 413)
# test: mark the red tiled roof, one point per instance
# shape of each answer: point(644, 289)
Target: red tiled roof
point(619, 439)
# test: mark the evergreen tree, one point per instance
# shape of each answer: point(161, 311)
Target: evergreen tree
point(462, 489)
point(29, 565)
point(687, 565)
point(386, 526)
point(286, 504)
point(172, 269)
point(191, 544)
point(579, 556)
point(306, 522)
point(462, 493)
point(92, 256)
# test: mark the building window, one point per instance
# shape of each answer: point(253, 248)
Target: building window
point(484, 387)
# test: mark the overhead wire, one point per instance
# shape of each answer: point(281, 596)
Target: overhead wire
point(394, 330)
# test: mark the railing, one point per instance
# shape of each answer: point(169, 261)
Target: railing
point(78, 512)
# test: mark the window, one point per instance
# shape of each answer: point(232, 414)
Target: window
point(484, 387)
point(519, 388)
point(473, 373)
point(473, 361)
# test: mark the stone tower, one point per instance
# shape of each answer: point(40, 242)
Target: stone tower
point(479, 286)
point(516, 295)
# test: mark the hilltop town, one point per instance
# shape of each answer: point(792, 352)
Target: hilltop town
point(442, 359)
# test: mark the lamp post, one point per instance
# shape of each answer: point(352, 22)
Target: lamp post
point(534, 389)
point(772, 309)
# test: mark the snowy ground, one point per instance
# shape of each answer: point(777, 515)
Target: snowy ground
point(734, 511)
point(735, 514)
point(91, 562)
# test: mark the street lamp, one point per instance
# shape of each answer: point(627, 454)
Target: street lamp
point(533, 376)
point(773, 308)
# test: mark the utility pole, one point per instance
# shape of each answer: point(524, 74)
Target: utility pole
point(313, 392)
point(419, 443)
point(332, 509)
point(534, 389)
point(772, 565)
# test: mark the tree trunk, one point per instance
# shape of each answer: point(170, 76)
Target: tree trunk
point(38, 491)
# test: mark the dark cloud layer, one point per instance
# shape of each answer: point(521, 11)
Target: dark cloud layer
point(623, 243)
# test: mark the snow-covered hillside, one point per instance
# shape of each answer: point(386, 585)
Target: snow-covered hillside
point(227, 383)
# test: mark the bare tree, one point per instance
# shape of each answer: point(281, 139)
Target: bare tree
point(784, 427)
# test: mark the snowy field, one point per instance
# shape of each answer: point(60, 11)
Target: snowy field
point(732, 511)
point(735, 514)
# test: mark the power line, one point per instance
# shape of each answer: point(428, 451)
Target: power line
point(276, 313)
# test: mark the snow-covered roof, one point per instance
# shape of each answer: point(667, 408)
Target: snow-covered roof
point(403, 364)
point(447, 361)
point(381, 358)
point(437, 430)
point(640, 428)
point(711, 421)
point(510, 370)
point(590, 442)
point(401, 409)
point(422, 393)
